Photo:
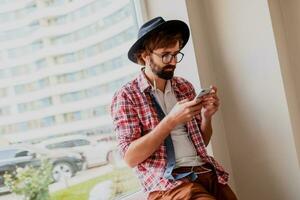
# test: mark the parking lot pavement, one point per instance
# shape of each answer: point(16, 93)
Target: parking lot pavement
point(78, 178)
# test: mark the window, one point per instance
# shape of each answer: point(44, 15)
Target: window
point(19, 32)
point(61, 97)
point(47, 121)
point(5, 110)
point(22, 154)
point(18, 14)
point(35, 105)
point(3, 92)
point(23, 126)
point(27, 68)
point(82, 12)
point(81, 142)
point(59, 145)
point(3, 73)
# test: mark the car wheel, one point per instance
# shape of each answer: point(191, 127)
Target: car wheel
point(113, 156)
point(62, 170)
point(109, 157)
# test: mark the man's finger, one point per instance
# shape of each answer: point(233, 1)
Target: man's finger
point(209, 100)
point(214, 89)
point(192, 103)
point(196, 107)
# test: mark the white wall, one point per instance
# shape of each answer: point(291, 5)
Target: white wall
point(188, 68)
point(239, 42)
point(156, 8)
point(285, 17)
point(249, 49)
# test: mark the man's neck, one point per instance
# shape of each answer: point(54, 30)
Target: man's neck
point(159, 82)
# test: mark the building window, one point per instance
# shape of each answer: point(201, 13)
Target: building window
point(3, 92)
point(66, 90)
point(35, 105)
point(4, 110)
point(47, 121)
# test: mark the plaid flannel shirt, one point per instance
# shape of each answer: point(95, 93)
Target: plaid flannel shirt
point(134, 115)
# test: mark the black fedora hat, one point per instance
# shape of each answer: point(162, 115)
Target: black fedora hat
point(158, 24)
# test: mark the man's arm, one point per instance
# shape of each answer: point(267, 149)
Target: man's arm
point(206, 130)
point(137, 148)
point(143, 147)
point(210, 104)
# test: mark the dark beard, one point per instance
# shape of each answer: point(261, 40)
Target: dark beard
point(162, 73)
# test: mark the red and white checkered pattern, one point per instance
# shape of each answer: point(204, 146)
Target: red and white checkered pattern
point(134, 115)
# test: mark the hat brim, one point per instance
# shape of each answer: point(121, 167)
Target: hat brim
point(171, 25)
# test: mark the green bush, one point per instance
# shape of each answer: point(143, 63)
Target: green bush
point(31, 182)
point(124, 182)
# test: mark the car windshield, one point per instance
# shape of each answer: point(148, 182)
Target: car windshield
point(68, 144)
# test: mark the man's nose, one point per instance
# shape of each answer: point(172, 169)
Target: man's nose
point(173, 60)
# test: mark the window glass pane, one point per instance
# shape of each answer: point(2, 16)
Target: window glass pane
point(60, 73)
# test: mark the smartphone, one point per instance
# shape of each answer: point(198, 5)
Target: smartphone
point(202, 93)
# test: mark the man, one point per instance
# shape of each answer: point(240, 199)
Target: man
point(162, 131)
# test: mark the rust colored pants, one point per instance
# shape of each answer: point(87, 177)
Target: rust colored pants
point(205, 187)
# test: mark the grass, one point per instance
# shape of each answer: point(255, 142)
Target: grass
point(123, 179)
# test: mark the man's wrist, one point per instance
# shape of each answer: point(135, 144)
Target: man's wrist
point(170, 121)
point(206, 119)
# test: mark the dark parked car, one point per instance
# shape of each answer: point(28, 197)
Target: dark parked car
point(64, 164)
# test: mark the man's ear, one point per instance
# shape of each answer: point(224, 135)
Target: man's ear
point(146, 57)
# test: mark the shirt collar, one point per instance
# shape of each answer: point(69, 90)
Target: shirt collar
point(143, 82)
point(175, 85)
point(168, 87)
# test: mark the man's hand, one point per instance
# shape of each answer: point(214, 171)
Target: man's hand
point(210, 104)
point(184, 111)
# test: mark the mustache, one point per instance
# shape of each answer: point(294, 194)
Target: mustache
point(169, 67)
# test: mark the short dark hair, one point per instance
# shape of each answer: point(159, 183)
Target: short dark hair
point(162, 39)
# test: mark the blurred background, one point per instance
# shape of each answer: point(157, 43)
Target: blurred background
point(60, 63)
point(62, 60)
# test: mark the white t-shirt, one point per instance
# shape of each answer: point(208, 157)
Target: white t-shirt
point(185, 152)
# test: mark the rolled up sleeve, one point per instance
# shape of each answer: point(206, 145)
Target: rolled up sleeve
point(125, 121)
